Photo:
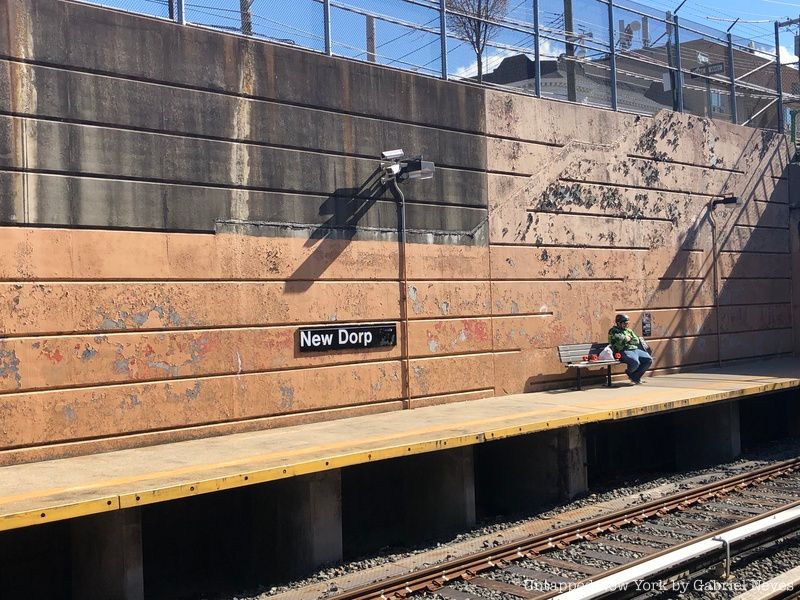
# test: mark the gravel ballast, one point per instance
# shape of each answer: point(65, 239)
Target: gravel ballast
point(328, 582)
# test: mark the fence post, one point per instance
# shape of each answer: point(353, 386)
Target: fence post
point(326, 16)
point(612, 54)
point(180, 13)
point(443, 35)
point(679, 74)
point(778, 81)
point(734, 116)
point(536, 56)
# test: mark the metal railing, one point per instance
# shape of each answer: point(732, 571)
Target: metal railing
point(615, 54)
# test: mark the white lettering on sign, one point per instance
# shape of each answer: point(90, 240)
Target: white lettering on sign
point(361, 338)
point(309, 339)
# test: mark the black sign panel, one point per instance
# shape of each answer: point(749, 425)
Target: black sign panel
point(341, 337)
point(708, 69)
point(647, 324)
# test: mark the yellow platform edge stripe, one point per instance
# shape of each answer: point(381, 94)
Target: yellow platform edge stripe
point(173, 492)
point(49, 514)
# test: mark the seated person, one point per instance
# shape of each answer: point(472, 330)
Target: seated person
point(623, 340)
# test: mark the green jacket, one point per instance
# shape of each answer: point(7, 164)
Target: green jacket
point(622, 338)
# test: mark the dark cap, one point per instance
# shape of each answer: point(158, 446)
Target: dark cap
point(622, 318)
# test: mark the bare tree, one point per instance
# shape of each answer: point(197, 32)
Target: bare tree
point(472, 20)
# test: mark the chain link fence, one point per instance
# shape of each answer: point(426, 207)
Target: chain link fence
point(615, 54)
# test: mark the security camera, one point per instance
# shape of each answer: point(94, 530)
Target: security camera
point(392, 169)
point(393, 154)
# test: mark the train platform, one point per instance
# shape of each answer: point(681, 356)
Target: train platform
point(66, 488)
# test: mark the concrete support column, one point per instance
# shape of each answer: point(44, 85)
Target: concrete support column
point(571, 452)
point(520, 474)
point(107, 556)
point(439, 492)
point(298, 524)
point(707, 435)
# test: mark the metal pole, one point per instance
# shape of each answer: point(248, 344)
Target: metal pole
point(778, 82)
point(645, 32)
point(371, 55)
point(405, 355)
point(246, 17)
point(536, 56)
point(443, 35)
point(569, 36)
point(672, 77)
point(734, 118)
point(612, 54)
point(714, 277)
point(326, 16)
point(679, 74)
point(181, 12)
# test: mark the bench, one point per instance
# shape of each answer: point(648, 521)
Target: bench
point(572, 356)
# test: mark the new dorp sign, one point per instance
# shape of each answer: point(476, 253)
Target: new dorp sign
point(342, 337)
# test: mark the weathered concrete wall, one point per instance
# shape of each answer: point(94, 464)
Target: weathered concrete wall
point(617, 219)
point(124, 121)
point(179, 201)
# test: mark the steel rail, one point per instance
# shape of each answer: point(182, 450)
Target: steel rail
point(694, 563)
point(434, 577)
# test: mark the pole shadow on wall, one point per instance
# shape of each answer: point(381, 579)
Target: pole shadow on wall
point(345, 209)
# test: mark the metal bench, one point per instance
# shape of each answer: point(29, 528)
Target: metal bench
point(572, 356)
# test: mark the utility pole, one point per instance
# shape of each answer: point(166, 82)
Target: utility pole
point(673, 79)
point(569, 36)
point(246, 16)
point(371, 54)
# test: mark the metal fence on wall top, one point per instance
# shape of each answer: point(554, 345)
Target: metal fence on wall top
point(615, 54)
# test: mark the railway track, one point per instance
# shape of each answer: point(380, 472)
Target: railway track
point(574, 557)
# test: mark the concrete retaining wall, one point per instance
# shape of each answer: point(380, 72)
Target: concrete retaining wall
point(177, 201)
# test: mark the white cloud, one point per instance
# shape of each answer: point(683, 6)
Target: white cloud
point(786, 55)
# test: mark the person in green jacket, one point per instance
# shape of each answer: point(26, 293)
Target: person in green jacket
point(623, 340)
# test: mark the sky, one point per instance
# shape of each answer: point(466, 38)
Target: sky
point(300, 22)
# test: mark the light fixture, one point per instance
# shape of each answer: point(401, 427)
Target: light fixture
point(416, 168)
point(727, 200)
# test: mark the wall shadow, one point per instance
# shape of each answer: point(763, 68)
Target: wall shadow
point(739, 240)
point(345, 209)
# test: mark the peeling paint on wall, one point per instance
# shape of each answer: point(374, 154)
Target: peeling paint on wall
point(9, 366)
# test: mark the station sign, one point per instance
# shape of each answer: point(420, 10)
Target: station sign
point(343, 337)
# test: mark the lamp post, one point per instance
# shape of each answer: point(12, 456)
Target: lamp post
point(727, 201)
point(397, 169)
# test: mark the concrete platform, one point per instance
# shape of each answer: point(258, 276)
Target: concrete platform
point(62, 489)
